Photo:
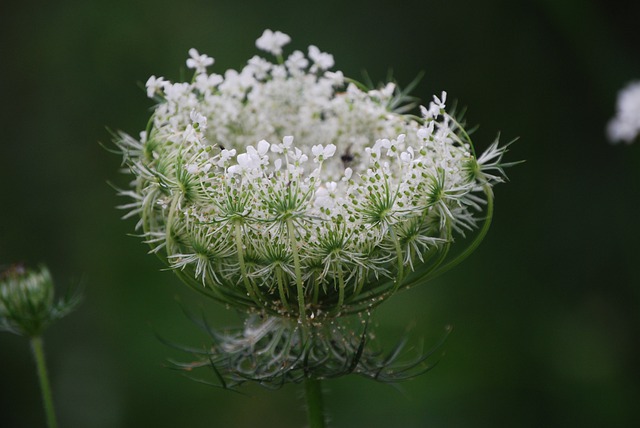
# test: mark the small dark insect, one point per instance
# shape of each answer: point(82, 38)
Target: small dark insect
point(347, 157)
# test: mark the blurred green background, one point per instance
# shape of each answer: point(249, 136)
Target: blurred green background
point(546, 314)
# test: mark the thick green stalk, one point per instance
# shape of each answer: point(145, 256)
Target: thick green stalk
point(315, 409)
point(47, 399)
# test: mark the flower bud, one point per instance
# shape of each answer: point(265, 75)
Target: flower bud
point(27, 303)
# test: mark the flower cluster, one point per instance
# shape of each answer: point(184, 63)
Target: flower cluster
point(288, 189)
point(625, 126)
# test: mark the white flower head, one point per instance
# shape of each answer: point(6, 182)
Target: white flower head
point(281, 190)
point(272, 42)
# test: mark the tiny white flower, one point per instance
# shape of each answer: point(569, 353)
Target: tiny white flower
point(206, 82)
point(259, 66)
point(190, 134)
point(336, 78)
point(298, 156)
point(348, 172)
point(373, 152)
point(272, 42)
point(198, 118)
point(199, 62)
point(407, 157)
point(329, 151)
point(296, 61)
point(246, 162)
point(227, 154)
point(322, 199)
point(263, 147)
point(436, 106)
point(321, 60)
point(175, 91)
point(154, 85)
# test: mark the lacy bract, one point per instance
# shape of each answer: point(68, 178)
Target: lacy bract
point(291, 190)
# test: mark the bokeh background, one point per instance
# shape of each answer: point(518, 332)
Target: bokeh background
point(546, 314)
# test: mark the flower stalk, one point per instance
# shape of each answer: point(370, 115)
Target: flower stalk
point(45, 386)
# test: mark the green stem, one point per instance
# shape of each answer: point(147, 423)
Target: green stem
point(359, 287)
point(243, 269)
point(315, 411)
point(316, 289)
point(478, 239)
point(340, 286)
point(281, 291)
point(298, 270)
point(47, 399)
point(400, 257)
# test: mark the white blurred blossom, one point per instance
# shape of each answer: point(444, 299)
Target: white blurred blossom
point(625, 126)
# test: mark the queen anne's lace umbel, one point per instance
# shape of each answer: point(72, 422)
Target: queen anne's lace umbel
point(288, 189)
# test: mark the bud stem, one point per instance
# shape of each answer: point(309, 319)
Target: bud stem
point(47, 399)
